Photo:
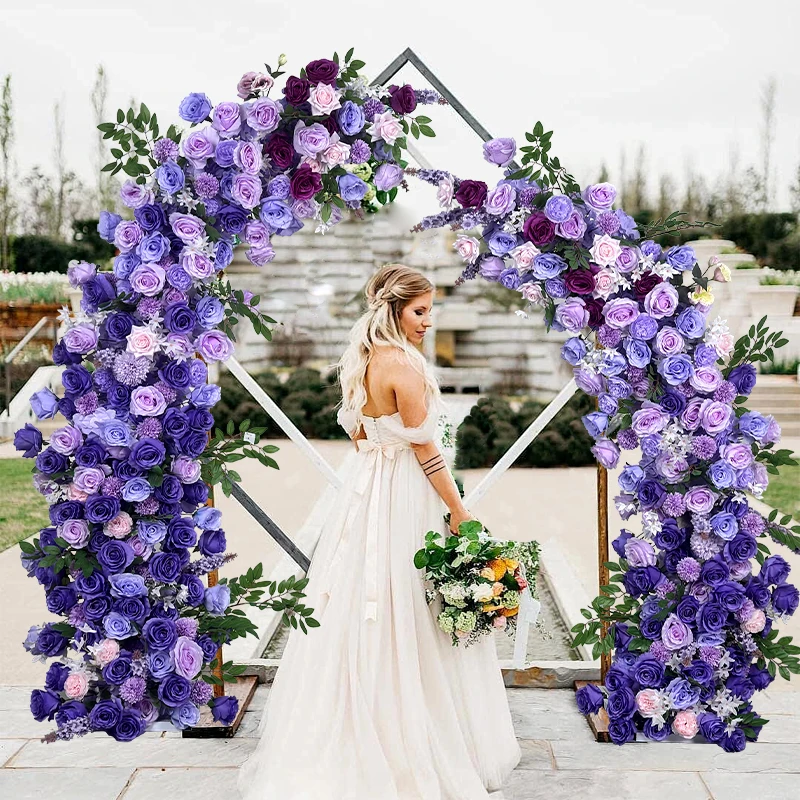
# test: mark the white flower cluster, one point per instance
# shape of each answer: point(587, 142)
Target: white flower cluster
point(651, 524)
point(675, 440)
point(724, 703)
point(454, 594)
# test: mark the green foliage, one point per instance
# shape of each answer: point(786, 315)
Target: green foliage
point(84, 232)
point(769, 237)
point(307, 398)
point(42, 254)
point(492, 427)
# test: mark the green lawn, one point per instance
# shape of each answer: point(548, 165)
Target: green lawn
point(23, 511)
point(784, 491)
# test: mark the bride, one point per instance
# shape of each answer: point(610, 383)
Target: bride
point(376, 703)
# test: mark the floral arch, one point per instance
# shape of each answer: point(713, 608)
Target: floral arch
point(691, 601)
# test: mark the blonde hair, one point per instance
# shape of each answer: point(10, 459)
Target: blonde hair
point(387, 293)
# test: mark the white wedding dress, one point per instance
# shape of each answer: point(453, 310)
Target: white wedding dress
point(376, 703)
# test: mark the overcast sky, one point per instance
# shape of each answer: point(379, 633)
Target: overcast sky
point(685, 79)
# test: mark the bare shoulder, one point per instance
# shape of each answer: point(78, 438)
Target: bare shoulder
point(394, 366)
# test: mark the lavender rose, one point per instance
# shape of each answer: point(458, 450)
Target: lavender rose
point(500, 151)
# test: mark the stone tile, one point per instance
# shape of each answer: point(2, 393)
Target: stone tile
point(259, 700)
point(157, 752)
point(182, 783)
point(780, 729)
point(724, 785)
point(535, 755)
point(678, 757)
point(249, 726)
point(8, 747)
point(547, 714)
point(18, 722)
point(591, 785)
point(15, 696)
point(64, 784)
point(769, 702)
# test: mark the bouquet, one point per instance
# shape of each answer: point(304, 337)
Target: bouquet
point(482, 582)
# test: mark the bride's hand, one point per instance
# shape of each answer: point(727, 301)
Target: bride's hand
point(456, 518)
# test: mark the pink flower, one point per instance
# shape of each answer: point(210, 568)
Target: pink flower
point(106, 651)
point(142, 341)
point(605, 283)
point(648, 703)
point(385, 126)
point(500, 622)
point(467, 247)
point(337, 153)
point(532, 292)
point(685, 724)
point(119, 527)
point(524, 254)
point(76, 685)
point(74, 493)
point(324, 99)
point(605, 250)
point(756, 622)
point(444, 192)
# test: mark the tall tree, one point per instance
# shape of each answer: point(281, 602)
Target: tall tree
point(60, 164)
point(767, 140)
point(666, 195)
point(105, 183)
point(7, 208)
point(636, 191)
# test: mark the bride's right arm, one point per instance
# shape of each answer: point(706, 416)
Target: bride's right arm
point(409, 389)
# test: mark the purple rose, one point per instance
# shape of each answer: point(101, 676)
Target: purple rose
point(107, 224)
point(263, 114)
point(676, 369)
point(548, 265)
point(573, 350)
point(471, 194)
point(214, 345)
point(500, 151)
point(775, 570)
point(649, 419)
point(206, 396)
point(785, 599)
point(403, 99)
point(606, 452)
point(589, 699)
point(573, 227)
point(599, 196)
point(170, 177)
point(682, 694)
point(716, 417)
point(127, 235)
point(661, 301)
point(669, 342)
point(351, 187)
point(28, 439)
point(148, 279)
point(350, 117)
point(691, 323)
point(147, 401)
point(387, 176)
point(217, 599)
point(620, 312)
point(44, 404)
point(309, 140)
point(195, 107)
point(198, 147)
point(572, 314)
point(675, 634)
point(225, 709)
point(640, 553)
point(188, 657)
point(227, 119)
point(501, 200)
point(558, 208)
point(743, 377)
point(174, 690)
point(297, 90)
point(323, 70)
point(680, 257)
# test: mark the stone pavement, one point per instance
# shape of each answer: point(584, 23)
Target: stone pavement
point(560, 759)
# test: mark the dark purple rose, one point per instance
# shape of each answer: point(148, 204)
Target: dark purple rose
point(200, 419)
point(758, 592)
point(118, 326)
point(471, 194)
point(50, 461)
point(28, 439)
point(61, 599)
point(193, 443)
point(179, 318)
point(305, 183)
point(643, 286)
point(105, 714)
point(76, 380)
point(672, 402)
point(181, 532)
point(96, 292)
point(195, 493)
point(56, 675)
point(404, 99)
point(177, 374)
point(51, 642)
point(232, 218)
point(116, 671)
point(44, 704)
point(774, 570)
point(160, 634)
point(165, 567)
point(743, 378)
point(648, 672)
point(589, 699)
point(651, 628)
point(621, 730)
point(785, 598)
point(711, 617)
point(619, 543)
point(127, 470)
point(96, 607)
point(115, 555)
point(208, 646)
point(90, 453)
point(617, 677)
point(296, 90)
point(69, 710)
point(323, 70)
point(621, 636)
point(760, 677)
point(224, 709)
point(654, 733)
point(538, 229)
point(101, 508)
point(687, 609)
point(580, 281)
point(150, 217)
point(147, 453)
point(174, 690)
point(742, 547)
point(621, 703)
point(131, 724)
point(594, 305)
point(642, 580)
point(711, 726)
point(212, 542)
point(175, 423)
point(280, 151)
point(715, 572)
point(651, 494)
point(699, 672)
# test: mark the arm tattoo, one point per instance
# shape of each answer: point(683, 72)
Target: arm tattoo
point(433, 465)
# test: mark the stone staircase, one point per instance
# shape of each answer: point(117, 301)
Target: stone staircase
point(778, 395)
